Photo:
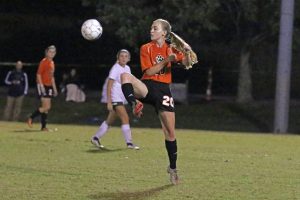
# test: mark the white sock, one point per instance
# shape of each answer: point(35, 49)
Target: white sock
point(126, 133)
point(102, 130)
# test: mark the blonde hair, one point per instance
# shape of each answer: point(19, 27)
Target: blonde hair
point(123, 51)
point(50, 47)
point(165, 25)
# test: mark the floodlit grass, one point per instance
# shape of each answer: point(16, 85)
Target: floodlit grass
point(212, 165)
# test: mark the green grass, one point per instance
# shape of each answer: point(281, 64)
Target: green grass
point(212, 165)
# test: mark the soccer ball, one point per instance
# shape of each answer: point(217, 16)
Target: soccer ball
point(91, 29)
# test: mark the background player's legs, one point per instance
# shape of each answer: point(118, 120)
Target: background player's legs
point(8, 108)
point(46, 106)
point(43, 111)
point(105, 124)
point(122, 113)
point(18, 107)
point(103, 129)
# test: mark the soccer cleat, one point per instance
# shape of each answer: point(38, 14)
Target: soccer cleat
point(95, 141)
point(132, 146)
point(137, 109)
point(29, 122)
point(173, 176)
point(45, 130)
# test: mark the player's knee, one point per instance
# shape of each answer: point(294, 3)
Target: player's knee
point(171, 135)
point(125, 120)
point(125, 78)
point(47, 108)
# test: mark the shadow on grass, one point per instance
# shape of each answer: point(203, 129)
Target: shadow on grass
point(137, 195)
point(103, 150)
point(27, 131)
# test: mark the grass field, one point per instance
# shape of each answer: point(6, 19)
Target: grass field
point(212, 165)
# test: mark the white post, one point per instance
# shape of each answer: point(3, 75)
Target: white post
point(209, 85)
point(281, 118)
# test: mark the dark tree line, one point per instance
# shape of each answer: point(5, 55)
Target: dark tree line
point(232, 35)
point(243, 25)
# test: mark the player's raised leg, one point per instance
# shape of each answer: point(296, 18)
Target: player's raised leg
point(133, 88)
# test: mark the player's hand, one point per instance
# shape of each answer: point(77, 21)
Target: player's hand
point(42, 88)
point(171, 57)
point(16, 82)
point(55, 93)
point(109, 107)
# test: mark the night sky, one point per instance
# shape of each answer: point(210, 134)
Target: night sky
point(28, 27)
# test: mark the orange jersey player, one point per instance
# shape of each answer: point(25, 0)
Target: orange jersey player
point(151, 54)
point(46, 72)
point(46, 87)
point(156, 57)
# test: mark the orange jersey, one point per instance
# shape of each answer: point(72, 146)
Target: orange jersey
point(151, 54)
point(46, 71)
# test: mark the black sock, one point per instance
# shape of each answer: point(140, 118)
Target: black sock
point(35, 114)
point(127, 89)
point(171, 147)
point(44, 120)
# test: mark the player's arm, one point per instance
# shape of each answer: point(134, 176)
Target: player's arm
point(159, 66)
point(147, 66)
point(180, 56)
point(26, 83)
point(54, 86)
point(8, 78)
point(109, 100)
point(186, 60)
point(39, 81)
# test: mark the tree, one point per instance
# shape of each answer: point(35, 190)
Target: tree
point(251, 23)
point(131, 20)
point(242, 24)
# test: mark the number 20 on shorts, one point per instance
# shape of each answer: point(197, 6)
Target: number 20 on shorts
point(168, 101)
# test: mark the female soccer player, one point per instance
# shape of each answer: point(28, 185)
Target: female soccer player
point(46, 87)
point(116, 102)
point(156, 57)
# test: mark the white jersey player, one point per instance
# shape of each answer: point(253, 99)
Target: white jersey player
point(115, 101)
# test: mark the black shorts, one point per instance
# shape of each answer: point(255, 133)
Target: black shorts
point(49, 92)
point(159, 95)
